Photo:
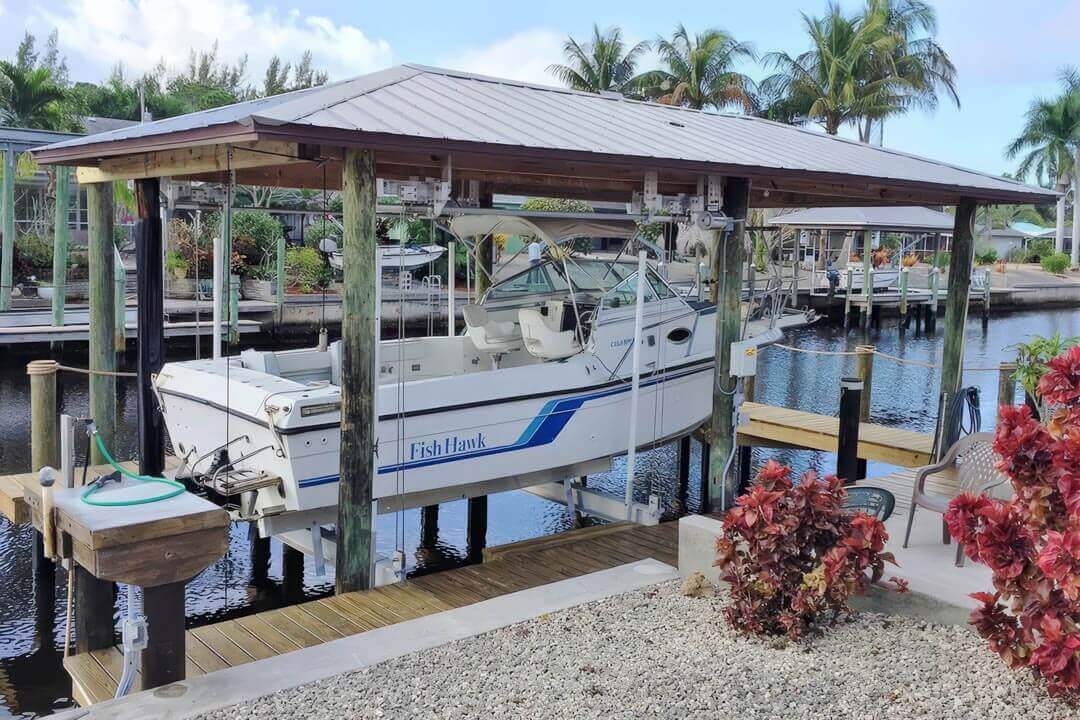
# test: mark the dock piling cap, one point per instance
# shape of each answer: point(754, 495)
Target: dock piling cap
point(851, 383)
point(42, 367)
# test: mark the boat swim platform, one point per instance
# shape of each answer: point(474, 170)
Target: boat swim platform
point(506, 569)
point(780, 427)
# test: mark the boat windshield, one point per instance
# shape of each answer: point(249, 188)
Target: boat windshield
point(625, 293)
point(550, 277)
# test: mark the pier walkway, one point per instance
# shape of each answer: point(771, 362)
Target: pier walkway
point(771, 426)
point(506, 569)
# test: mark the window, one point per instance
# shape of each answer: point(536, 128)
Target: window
point(662, 290)
point(625, 294)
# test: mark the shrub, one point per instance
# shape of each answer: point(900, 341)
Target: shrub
point(793, 556)
point(1055, 263)
point(942, 259)
point(33, 254)
point(1017, 255)
point(1032, 359)
point(319, 230)
point(176, 264)
point(986, 257)
point(1039, 248)
point(306, 268)
point(255, 235)
point(1032, 542)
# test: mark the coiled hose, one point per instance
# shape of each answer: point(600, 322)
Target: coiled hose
point(91, 490)
point(952, 419)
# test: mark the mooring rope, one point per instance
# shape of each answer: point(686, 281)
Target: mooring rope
point(105, 373)
point(875, 351)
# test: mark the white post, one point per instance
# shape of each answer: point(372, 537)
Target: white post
point(1075, 254)
point(1059, 219)
point(451, 287)
point(215, 335)
point(635, 385)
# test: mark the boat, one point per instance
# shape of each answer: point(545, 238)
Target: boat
point(536, 389)
point(403, 258)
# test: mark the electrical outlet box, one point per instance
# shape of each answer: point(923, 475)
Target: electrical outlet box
point(744, 359)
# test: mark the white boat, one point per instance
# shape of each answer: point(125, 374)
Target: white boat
point(404, 258)
point(536, 390)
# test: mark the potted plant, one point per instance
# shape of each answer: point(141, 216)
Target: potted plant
point(176, 265)
point(910, 260)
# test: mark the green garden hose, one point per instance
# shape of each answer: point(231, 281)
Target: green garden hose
point(87, 498)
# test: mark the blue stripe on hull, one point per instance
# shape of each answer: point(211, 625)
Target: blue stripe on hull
point(542, 430)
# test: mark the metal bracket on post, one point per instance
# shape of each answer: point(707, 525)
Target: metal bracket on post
point(317, 549)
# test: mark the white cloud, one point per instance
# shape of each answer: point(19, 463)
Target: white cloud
point(139, 33)
point(523, 56)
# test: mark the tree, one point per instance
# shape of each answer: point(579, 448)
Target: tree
point(276, 79)
point(32, 98)
point(602, 65)
point(922, 65)
point(699, 71)
point(1048, 142)
point(845, 76)
point(34, 90)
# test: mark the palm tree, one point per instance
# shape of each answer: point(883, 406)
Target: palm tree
point(844, 77)
point(31, 97)
point(1047, 144)
point(699, 71)
point(602, 65)
point(923, 66)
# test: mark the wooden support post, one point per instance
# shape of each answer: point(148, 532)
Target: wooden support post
point(44, 450)
point(935, 295)
point(44, 415)
point(847, 295)
point(703, 479)
point(847, 455)
point(61, 241)
point(119, 302)
point(986, 295)
point(1006, 385)
point(727, 264)
point(868, 279)
point(102, 261)
point(956, 303)
point(429, 526)
point(7, 229)
point(151, 323)
point(234, 309)
point(903, 298)
point(163, 656)
point(476, 528)
point(864, 370)
point(292, 572)
point(355, 524)
point(746, 452)
point(279, 278)
point(93, 612)
point(260, 556)
point(684, 461)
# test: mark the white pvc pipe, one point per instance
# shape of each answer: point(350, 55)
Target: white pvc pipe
point(216, 334)
point(635, 385)
point(451, 286)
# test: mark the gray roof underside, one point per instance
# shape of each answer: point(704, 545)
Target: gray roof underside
point(422, 102)
point(891, 218)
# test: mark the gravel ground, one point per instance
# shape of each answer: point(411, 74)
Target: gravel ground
point(656, 653)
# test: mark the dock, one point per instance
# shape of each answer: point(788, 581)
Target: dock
point(506, 569)
point(779, 427)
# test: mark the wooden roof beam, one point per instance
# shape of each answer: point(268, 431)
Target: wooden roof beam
point(196, 160)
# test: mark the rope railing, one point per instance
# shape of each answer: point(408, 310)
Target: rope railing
point(879, 353)
point(48, 367)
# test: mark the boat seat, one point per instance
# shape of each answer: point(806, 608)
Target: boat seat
point(488, 335)
point(545, 340)
point(261, 361)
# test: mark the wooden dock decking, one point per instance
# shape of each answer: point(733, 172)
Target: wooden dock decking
point(506, 569)
point(771, 426)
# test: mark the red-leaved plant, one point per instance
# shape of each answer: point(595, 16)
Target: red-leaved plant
point(1032, 542)
point(793, 556)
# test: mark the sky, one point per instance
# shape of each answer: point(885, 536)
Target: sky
point(1006, 52)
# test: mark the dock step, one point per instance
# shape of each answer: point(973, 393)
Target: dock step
point(546, 542)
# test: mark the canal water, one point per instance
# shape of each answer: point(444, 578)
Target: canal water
point(32, 680)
